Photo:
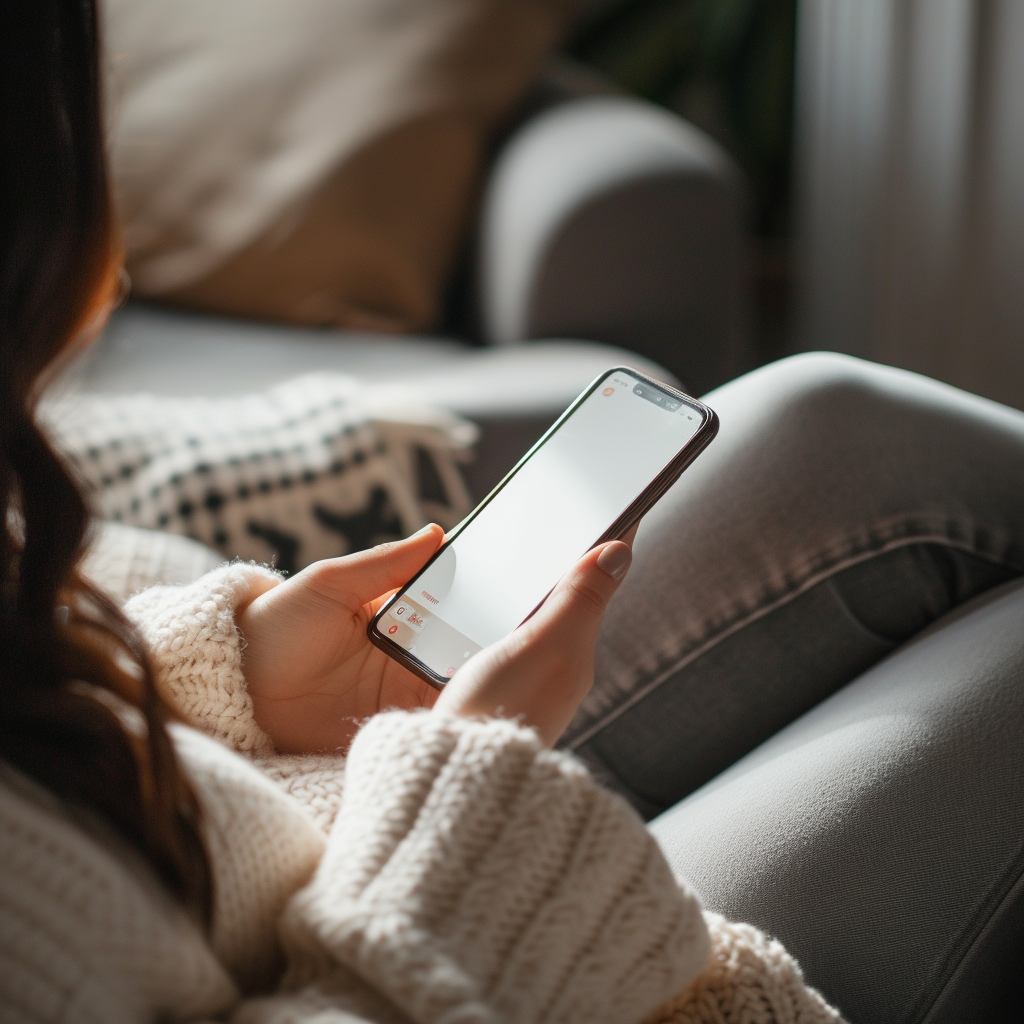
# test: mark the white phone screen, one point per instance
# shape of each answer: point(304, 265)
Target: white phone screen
point(508, 555)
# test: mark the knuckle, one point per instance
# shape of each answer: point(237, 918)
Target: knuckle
point(586, 594)
point(383, 550)
point(319, 574)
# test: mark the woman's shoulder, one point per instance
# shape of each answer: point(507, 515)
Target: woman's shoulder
point(76, 898)
point(85, 923)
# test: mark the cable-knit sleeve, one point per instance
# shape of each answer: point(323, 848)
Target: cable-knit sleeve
point(749, 977)
point(196, 651)
point(473, 876)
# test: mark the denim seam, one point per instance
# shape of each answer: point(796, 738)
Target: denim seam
point(812, 580)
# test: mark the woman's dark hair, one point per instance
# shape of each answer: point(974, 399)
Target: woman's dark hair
point(78, 709)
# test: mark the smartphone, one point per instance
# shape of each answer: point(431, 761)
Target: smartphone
point(607, 459)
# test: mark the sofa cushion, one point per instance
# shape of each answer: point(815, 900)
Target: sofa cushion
point(881, 835)
point(311, 161)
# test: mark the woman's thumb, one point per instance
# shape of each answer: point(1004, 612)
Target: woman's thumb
point(584, 592)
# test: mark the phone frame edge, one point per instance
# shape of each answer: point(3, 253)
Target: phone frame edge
point(636, 510)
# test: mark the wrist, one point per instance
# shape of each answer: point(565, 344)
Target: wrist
point(195, 649)
point(541, 704)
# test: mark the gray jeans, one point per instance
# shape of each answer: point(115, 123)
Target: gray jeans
point(843, 509)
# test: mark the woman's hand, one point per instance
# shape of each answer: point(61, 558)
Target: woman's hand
point(311, 671)
point(541, 672)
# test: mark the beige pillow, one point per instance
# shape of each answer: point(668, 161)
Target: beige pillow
point(311, 160)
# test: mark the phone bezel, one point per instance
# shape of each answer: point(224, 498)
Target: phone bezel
point(642, 504)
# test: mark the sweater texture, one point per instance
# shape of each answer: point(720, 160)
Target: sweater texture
point(447, 870)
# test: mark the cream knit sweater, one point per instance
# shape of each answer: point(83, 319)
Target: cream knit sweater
point(448, 871)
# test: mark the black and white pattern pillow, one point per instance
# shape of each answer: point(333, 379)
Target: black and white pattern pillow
point(317, 467)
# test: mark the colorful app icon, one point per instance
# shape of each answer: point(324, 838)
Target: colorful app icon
point(608, 391)
point(392, 630)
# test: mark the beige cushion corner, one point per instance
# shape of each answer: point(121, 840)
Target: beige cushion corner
point(315, 161)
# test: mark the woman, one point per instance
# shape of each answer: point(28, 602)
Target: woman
point(452, 867)
point(150, 873)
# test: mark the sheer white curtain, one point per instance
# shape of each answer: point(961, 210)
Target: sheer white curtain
point(911, 186)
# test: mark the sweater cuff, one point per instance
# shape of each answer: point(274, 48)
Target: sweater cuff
point(196, 651)
point(748, 976)
point(473, 875)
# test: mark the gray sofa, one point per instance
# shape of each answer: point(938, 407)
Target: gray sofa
point(881, 835)
point(603, 218)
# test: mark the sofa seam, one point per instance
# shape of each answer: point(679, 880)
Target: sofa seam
point(970, 937)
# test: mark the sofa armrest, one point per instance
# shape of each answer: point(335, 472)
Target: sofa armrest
point(609, 219)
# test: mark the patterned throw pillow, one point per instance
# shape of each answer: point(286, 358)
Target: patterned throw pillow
point(314, 468)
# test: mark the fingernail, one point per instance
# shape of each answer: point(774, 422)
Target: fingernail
point(422, 530)
point(615, 560)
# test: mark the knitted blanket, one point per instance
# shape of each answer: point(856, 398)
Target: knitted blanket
point(316, 467)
